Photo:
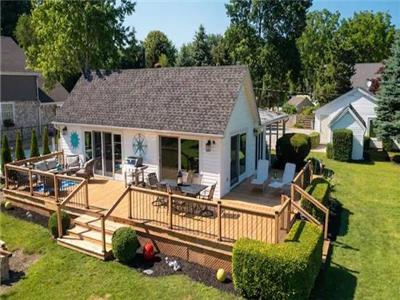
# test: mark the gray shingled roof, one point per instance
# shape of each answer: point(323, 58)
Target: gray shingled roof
point(364, 72)
point(191, 99)
point(13, 61)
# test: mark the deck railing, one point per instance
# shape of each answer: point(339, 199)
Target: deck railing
point(304, 177)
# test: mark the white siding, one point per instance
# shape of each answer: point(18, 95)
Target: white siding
point(347, 121)
point(65, 142)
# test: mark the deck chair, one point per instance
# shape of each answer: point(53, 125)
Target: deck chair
point(287, 178)
point(262, 174)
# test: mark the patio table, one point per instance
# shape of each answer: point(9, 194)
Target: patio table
point(191, 189)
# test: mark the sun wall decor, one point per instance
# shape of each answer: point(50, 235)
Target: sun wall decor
point(74, 140)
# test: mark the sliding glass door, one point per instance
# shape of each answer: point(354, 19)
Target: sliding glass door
point(238, 157)
point(97, 145)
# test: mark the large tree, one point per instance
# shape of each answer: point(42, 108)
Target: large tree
point(370, 34)
point(156, 44)
point(185, 56)
point(201, 48)
point(75, 36)
point(10, 12)
point(132, 55)
point(388, 108)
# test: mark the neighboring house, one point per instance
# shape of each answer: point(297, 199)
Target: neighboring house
point(300, 102)
point(203, 119)
point(355, 104)
point(367, 76)
point(24, 101)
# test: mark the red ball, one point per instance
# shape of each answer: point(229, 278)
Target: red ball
point(148, 251)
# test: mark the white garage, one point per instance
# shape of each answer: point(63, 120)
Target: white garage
point(348, 118)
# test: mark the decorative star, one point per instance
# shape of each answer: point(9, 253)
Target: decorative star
point(139, 147)
point(74, 139)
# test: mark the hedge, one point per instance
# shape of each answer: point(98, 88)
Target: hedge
point(320, 190)
point(342, 144)
point(314, 139)
point(279, 271)
point(329, 150)
point(124, 244)
point(292, 147)
point(289, 109)
point(53, 226)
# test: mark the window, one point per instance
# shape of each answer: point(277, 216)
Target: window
point(88, 145)
point(117, 154)
point(242, 154)
point(259, 147)
point(7, 111)
point(190, 155)
point(372, 132)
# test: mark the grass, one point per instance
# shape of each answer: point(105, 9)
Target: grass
point(365, 259)
point(64, 274)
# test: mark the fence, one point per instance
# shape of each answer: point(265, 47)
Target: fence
point(26, 132)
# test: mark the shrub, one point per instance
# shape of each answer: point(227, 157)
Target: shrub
point(314, 139)
point(293, 147)
point(289, 109)
point(19, 150)
point(342, 144)
point(5, 152)
point(329, 150)
point(320, 190)
point(53, 226)
point(124, 244)
point(367, 142)
point(34, 145)
point(45, 142)
point(279, 271)
point(308, 111)
point(387, 144)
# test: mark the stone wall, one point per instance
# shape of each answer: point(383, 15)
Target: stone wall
point(48, 113)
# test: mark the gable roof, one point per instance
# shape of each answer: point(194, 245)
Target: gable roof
point(13, 62)
point(353, 91)
point(298, 99)
point(364, 72)
point(349, 109)
point(189, 99)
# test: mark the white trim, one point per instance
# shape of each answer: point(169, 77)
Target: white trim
point(19, 73)
point(142, 129)
point(342, 113)
point(1, 111)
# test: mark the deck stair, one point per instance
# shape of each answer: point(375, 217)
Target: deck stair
point(86, 237)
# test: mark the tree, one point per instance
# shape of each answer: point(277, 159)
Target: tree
point(34, 145)
point(19, 150)
point(155, 44)
point(45, 142)
point(132, 56)
point(5, 152)
point(201, 48)
point(10, 12)
point(388, 108)
point(370, 34)
point(185, 56)
point(70, 37)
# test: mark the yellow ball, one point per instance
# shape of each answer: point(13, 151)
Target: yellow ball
point(221, 275)
point(8, 205)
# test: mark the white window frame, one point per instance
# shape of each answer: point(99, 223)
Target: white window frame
point(13, 111)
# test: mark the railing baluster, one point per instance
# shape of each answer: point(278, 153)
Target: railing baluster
point(130, 204)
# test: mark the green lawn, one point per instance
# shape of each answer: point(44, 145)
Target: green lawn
point(366, 256)
point(64, 274)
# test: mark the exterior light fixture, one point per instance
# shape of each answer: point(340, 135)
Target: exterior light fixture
point(208, 146)
point(64, 130)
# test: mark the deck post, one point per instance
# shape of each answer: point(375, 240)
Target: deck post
point(326, 225)
point(130, 203)
point(277, 229)
point(86, 194)
point(55, 178)
point(170, 210)
point(292, 192)
point(6, 176)
point(30, 182)
point(289, 212)
point(219, 220)
point(59, 221)
point(103, 233)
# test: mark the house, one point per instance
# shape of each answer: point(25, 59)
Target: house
point(356, 107)
point(366, 75)
point(24, 101)
point(202, 119)
point(300, 102)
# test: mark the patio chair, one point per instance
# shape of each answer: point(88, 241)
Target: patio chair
point(178, 205)
point(152, 180)
point(161, 201)
point(197, 178)
point(262, 174)
point(287, 178)
point(72, 163)
point(87, 170)
point(206, 212)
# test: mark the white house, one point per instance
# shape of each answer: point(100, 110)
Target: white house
point(362, 104)
point(203, 119)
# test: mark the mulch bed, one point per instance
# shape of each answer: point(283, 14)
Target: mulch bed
point(158, 265)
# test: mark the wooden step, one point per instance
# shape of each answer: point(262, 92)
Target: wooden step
point(325, 250)
point(95, 223)
point(92, 235)
point(84, 246)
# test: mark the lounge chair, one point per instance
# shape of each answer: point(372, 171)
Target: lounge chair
point(73, 163)
point(262, 174)
point(287, 178)
point(87, 170)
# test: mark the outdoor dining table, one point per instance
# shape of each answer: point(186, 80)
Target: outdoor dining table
point(191, 189)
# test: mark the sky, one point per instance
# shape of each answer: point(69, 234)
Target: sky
point(179, 19)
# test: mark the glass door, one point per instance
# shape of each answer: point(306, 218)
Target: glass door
point(169, 157)
point(97, 145)
point(107, 154)
point(238, 157)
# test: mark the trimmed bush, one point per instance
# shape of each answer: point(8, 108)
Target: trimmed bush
point(279, 271)
point(34, 145)
point(320, 190)
point(289, 109)
point(367, 142)
point(19, 150)
point(329, 150)
point(45, 142)
point(293, 147)
point(342, 144)
point(125, 244)
point(65, 221)
point(314, 139)
point(387, 144)
point(5, 152)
